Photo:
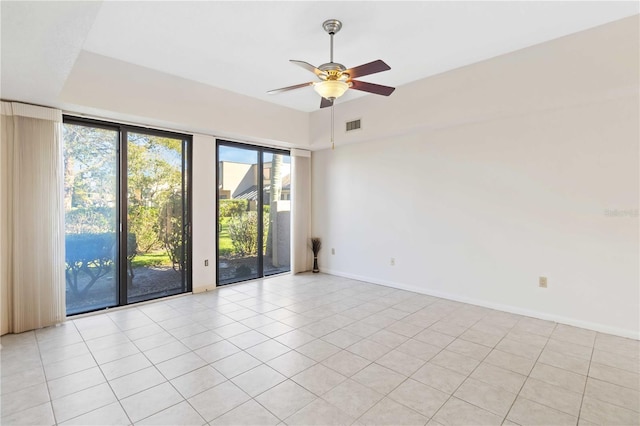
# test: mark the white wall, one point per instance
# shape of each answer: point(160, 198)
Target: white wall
point(120, 90)
point(586, 67)
point(204, 213)
point(476, 207)
point(476, 181)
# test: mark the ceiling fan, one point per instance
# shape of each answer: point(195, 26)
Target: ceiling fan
point(335, 79)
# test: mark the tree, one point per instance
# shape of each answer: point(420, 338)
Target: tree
point(171, 230)
point(154, 174)
point(90, 157)
point(90, 186)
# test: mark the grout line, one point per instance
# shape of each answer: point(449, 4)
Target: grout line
point(353, 321)
point(586, 381)
point(44, 374)
point(529, 374)
point(472, 371)
point(303, 297)
point(101, 372)
point(81, 390)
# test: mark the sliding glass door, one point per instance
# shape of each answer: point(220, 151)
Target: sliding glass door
point(156, 216)
point(91, 216)
point(253, 212)
point(276, 202)
point(127, 219)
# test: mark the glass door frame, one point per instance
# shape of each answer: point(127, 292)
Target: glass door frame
point(121, 203)
point(80, 121)
point(260, 151)
point(187, 144)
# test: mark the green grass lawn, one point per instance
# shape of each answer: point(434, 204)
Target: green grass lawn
point(156, 258)
point(225, 247)
point(161, 258)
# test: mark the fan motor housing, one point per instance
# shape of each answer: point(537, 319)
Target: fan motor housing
point(333, 71)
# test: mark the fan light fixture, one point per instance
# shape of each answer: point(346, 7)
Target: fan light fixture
point(331, 89)
point(335, 78)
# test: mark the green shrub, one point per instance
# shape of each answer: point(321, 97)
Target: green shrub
point(91, 255)
point(229, 208)
point(171, 231)
point(243, 230)
point(94, 220)
point(143, 222)
point(89, 247)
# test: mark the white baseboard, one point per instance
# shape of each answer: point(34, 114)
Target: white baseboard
point(630, 334)
point(204, 288)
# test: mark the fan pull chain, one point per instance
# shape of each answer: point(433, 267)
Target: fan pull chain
point(332, 143)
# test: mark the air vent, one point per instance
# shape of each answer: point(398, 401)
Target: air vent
point(353, 125)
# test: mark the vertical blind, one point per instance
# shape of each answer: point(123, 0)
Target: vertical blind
point(31, 218)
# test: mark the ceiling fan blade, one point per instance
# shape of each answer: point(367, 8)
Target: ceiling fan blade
point(366, 69)
point(286, 89)
point(378, 89)
point(307, 66)
point(325, 103)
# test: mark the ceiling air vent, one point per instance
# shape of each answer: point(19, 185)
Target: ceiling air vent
point(353, 125)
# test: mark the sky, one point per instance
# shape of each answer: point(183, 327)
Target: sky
point(241, 155)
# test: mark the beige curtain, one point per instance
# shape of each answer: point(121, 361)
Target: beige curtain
point(31, 218)
point(301, 210)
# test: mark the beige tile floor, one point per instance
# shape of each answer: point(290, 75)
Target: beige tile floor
point(317, 350)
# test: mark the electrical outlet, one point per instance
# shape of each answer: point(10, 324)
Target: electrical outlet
point(333, 251)
point(392, 262)
point(206, 262)
point(542, 282)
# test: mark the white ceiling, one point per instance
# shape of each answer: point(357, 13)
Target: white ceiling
point(244, 47)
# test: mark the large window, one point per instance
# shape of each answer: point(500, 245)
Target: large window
point(254, 212)
point(126, 214)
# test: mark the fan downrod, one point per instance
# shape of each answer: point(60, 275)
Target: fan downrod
point(332, 26)
point(335, 78)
